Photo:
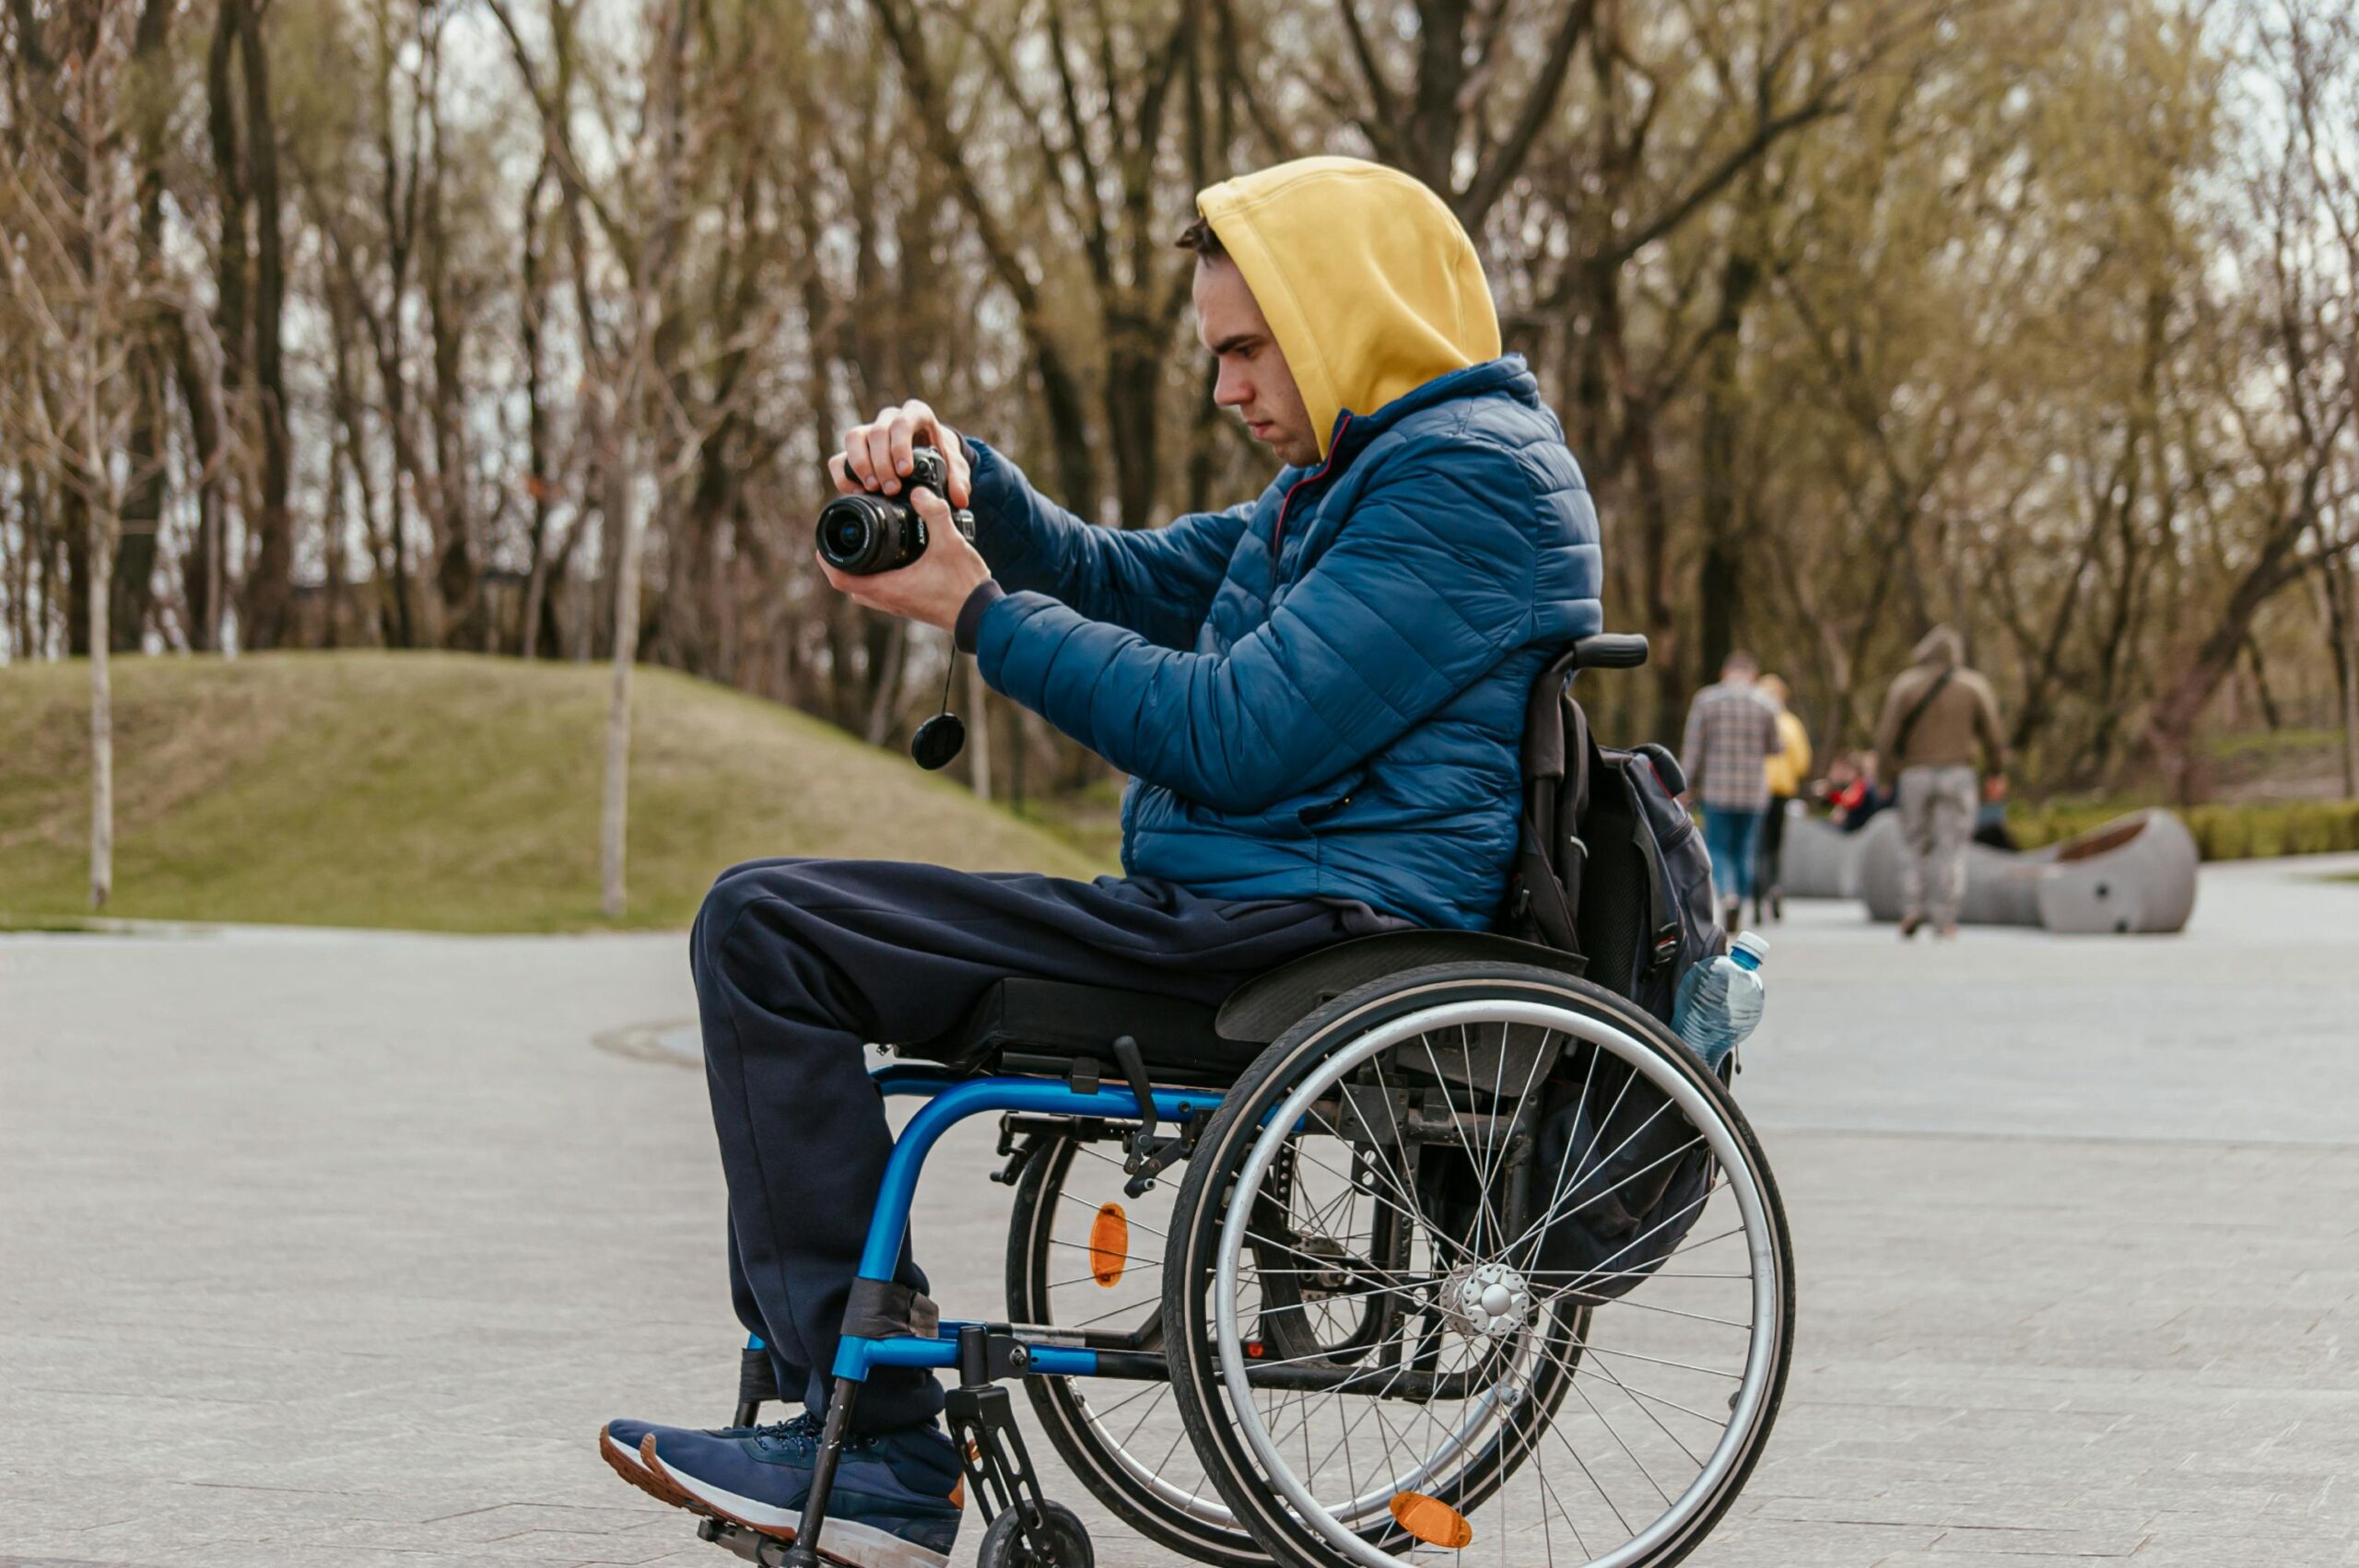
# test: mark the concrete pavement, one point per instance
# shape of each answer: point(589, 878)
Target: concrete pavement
point(329, 1249)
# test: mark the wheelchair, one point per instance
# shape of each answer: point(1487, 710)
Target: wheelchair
point(1282, 1283)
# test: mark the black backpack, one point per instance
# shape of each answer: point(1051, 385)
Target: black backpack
point(1610, 867)
point(1607, 864)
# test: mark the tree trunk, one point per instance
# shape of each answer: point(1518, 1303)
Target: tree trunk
point(73, 518)
point(537, 481)
point(627, 505)
point(2341, 617)
point(456, 578)
point(1664, 653)
point(2347, 663)
point(2270, 715)
point(1721, 581)
point(272, 585)
point(101, 726)
point(332, 527)
point(1014, 711)
point(979, 727)
point(143, 511)
point(632, 494)
point(200, 586)
point(1436, 110)
point(105, 527)
point(889, 648)
point(1133, 376)
point(133, 575)
point(20, 563)
point(2170, 728)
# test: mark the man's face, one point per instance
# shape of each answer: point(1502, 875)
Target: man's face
point(1253, 379)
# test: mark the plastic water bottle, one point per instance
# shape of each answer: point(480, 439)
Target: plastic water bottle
point(1719, 1002)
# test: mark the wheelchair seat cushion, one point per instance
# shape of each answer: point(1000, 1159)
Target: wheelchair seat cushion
point(1183, 1042)
point(1028, 1017)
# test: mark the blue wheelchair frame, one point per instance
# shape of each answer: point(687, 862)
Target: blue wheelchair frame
point(992, 1449)
point(952, 1100)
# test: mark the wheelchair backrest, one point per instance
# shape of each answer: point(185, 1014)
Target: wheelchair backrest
point(1607, 864)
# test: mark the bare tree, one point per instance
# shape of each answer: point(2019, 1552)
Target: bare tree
point(2293, 394)
point(74, 284)
point(636, 419)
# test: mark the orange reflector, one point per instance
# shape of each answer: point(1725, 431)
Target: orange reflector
point(1431, 1520)
point(1109, 1245)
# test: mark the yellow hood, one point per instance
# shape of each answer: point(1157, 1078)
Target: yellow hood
point(1369, 285)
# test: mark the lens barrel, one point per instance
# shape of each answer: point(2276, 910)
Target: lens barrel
point(861, 535)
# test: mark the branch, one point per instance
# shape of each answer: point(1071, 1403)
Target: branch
point(1739, 159)
point(926, 97)
point(1232, 64)
point(1506, 161)
point(558, 142)
point(1092, 231)
point(1386, 102)
point(1003, 71)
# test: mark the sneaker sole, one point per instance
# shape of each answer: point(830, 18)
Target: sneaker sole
point(850, 1544)
point(624, 1461)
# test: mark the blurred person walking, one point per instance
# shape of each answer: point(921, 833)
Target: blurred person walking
point(1785, 771)
point(1935, 713)
point(1731, 728)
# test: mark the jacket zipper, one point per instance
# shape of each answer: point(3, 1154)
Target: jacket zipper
point(1278, 535)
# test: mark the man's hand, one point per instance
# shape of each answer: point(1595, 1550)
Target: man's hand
point(876, 455)
point(935, 586)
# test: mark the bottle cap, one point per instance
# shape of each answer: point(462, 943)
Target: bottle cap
point(1751, 944)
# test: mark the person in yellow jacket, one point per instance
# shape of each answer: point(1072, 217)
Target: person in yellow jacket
point(1787, 770)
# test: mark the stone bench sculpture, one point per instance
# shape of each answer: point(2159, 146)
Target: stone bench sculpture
point(2135, 873)
point(1818, 859)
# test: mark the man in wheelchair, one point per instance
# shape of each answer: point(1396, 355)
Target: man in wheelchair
point(1319, 695)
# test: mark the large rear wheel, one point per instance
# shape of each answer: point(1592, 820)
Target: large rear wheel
point(1377, 1342)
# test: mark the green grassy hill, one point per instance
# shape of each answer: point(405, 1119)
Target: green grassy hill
point(443, 792)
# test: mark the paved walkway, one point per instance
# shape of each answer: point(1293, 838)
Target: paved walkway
point(319, 1248)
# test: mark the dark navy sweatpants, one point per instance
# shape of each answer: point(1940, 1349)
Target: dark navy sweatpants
point(798, 962)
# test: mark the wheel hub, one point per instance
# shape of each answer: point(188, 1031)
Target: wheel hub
point(1484, 1301)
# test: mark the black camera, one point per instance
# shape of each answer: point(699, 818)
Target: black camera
point(869, 532)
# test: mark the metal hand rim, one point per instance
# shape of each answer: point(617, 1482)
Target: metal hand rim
point(1278, 1127)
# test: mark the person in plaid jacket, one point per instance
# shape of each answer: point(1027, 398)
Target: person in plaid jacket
point(1731, 729)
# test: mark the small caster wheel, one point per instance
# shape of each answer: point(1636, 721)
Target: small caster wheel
point(1003, 1545)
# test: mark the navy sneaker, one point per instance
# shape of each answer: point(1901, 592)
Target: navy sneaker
point(897, 1499)
point(618, 1444)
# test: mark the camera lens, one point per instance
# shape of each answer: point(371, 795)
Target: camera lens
point(845, 538)
point(862, 534)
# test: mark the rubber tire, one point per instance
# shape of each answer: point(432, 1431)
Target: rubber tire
point(1204, 1197)
point(1059, 1411)
point(1002, 1547)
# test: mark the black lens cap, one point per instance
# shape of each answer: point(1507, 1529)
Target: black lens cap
point(938, 740)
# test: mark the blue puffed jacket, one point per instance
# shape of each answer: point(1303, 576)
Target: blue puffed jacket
point(1321, 693)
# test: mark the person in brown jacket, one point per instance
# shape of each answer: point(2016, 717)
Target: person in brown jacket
point(1935, 716)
